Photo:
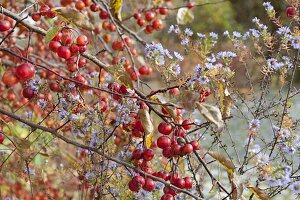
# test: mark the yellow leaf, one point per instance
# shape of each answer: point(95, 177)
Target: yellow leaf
point(120, 76)
point(149, 140)
point(116, 8)
point(74, 17)
point(259, 193)
point(228, 164)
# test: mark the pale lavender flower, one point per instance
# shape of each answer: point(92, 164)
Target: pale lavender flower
point(274, 64)
point(268, 6)
point(89, 176)
point(160, 60)
point(226, 33)
point(185, 41)
point(203, 80)
point(295, 187)
point(201, 36)
point(295, 42)
point(237, 34)
point(174, 69)
point(262, 158)
point(283, 30)
point(213, 35)
point(178, 56)
point(42, 103)
point(255, 33)
point(254, 124)
point(188, 32)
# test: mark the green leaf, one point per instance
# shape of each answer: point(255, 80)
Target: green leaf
point(184, 16)
point(51, 33)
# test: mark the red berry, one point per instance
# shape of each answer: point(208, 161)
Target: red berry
point(163, 11)
point(165, 128)
point(149, 29)
point(128, 41)
point(64, 52)
point(176, 148)
point(81, 62)
point(141, 22)
point(180, 183)
point(190, 5)
point(187, 124)
point(167, 152)
point(4, 25)
point(167, 197)
point(79, 5)
point(44, 9)
point(148, 154)
point(25, 71)
point(149, 15)
point(137, 15)
point(103, 14)
point(94, 7)
point(81, 40)
point(9, 78)
point(36, 16)
point(74, 48)
point(188, 183)
point(149, 184)
point(112, 28)
point(1, 137)
point(157, 24)
point(174, 91)
point(290, 12)
point(133, 187)
point(195, 145)
point(138, 181)
point(54, 45)
point(163, 142)
point(137, 154)
point(187, 149)
point(144, 70)
point(168, 190)
point(28, 93)
point(179, 132)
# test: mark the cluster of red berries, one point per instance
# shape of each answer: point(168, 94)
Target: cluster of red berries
point(149, 17)
point(145, 70)
point(115, 87)
point(63, 46)
point(45, 11)
point(175, 147)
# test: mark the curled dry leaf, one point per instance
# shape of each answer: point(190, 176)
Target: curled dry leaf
point(259, 193)
point(146, 121)
point(184, 16)
point(228, 164)
point(120, 76)
point(212, 114)
point(187, 99)
point(75, 17)
point(237, 187)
